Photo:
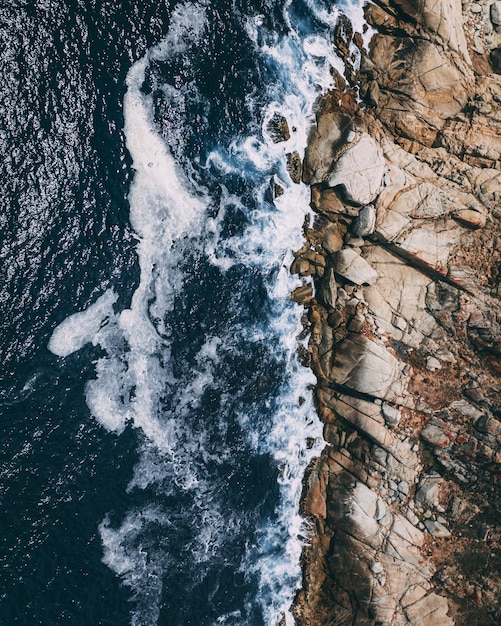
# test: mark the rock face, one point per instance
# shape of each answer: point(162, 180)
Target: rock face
point(359, 171)
point(401, 271)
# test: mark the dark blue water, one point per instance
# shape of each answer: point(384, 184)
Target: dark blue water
point(151, 460)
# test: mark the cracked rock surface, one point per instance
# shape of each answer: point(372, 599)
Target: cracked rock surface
point(400, 274)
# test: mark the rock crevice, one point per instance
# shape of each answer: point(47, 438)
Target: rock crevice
point(400, 271)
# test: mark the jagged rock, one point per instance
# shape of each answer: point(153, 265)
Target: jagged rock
point(364, 366)
point(441, 18)
point(431, 244)
point(439, 433)
point(354, 268)
point(471, 217)
point(328, 289)
point(301, 267)
point(333, 239)
point(495, 13)
point(495, 57)
point(366, 221)
point(478, 142)
point(294, 166)
point(436, 528)
point(278, 128)
point(357, 323)
point(428, 490)
point(328, 204)
point(399, 289)
point(429, 611)
point(430, 87)
point(360, 171)
point(433, 364)
point(376, 553)
point(366, 417)
point(489, 425)
point(313, 257)
point(431, 304)
point(331, 130)
point(466, 409)
point(391, 415)
point(315, 503)
point(303, 294)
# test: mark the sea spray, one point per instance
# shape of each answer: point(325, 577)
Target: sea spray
point(203, 364)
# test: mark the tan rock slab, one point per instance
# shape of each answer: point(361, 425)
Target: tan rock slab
point(360, 171)
point(350, 265)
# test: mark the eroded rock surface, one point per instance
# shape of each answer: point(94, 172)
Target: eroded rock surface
point(401, 271)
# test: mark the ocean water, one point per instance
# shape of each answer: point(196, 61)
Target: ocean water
point(156, 423)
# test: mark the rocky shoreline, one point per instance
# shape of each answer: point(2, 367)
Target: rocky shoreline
point(401, 289)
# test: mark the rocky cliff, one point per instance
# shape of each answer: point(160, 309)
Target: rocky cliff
point(400, 270)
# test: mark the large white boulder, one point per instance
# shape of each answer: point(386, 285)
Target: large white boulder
point(360, 170)
point(354, 268)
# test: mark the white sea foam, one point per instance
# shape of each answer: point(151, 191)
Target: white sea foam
point(303, 63)
point(164, 206)
point(138, 568)
point(83, 327)
point(131, 385)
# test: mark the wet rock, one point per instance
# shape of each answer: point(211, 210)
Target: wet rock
point(302, 295)
point(314, 257)
point(354, 268)
point(431, 298)
point(302, 267)
point(294, 166)
point(331, 129)
point(278, 128)
point(329, 204)
point(360, 171)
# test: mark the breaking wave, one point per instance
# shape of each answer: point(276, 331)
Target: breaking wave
point(202, 365)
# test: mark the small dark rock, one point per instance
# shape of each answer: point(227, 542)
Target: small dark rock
point(278, 128)
point(294, 166)
point(495, 58)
